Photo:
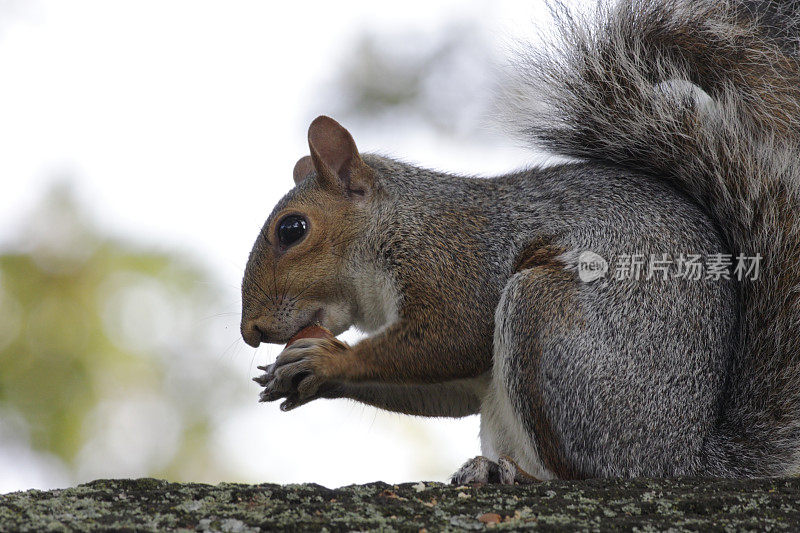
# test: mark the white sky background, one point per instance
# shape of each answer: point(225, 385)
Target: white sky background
point(179, 123)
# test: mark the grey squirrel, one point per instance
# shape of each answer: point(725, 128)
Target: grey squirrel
point(683, 121)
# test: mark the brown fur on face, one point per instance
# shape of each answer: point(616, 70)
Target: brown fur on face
point(286, 288)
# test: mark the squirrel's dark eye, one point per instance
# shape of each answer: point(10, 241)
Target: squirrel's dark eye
point(291, 229)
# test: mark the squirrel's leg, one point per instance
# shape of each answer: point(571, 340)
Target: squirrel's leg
point(454, 399)
point(420, 357)
point(516, 434)
point(604, 378)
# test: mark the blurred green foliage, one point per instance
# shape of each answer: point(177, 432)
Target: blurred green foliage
point(106, 350)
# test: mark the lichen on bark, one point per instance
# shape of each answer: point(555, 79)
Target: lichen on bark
point(593, 505)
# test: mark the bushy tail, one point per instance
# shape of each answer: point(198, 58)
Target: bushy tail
point(703, 94)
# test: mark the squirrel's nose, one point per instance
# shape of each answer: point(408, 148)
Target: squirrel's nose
point(251, 333)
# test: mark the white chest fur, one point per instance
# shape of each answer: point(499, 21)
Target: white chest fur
point(377, 300)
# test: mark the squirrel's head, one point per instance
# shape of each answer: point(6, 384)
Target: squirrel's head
point(298, 273)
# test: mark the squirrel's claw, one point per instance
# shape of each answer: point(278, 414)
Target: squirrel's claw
point(299, 373)
point(307, 391)
point(266, 377)
point(294, 402)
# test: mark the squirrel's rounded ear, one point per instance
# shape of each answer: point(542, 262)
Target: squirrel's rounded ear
point(302, 169)
point(336, 158)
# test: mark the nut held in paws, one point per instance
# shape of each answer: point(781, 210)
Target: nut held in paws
point(311, 332)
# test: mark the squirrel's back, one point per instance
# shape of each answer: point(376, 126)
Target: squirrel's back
point(704, 95)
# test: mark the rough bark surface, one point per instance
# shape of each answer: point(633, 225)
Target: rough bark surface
point(594, 505)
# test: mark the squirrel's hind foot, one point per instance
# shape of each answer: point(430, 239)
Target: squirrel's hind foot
point(482, 470)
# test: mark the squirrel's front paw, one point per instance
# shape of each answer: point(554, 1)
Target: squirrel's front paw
point(301, 371)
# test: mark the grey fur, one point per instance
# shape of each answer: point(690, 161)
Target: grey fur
point(736, 158)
